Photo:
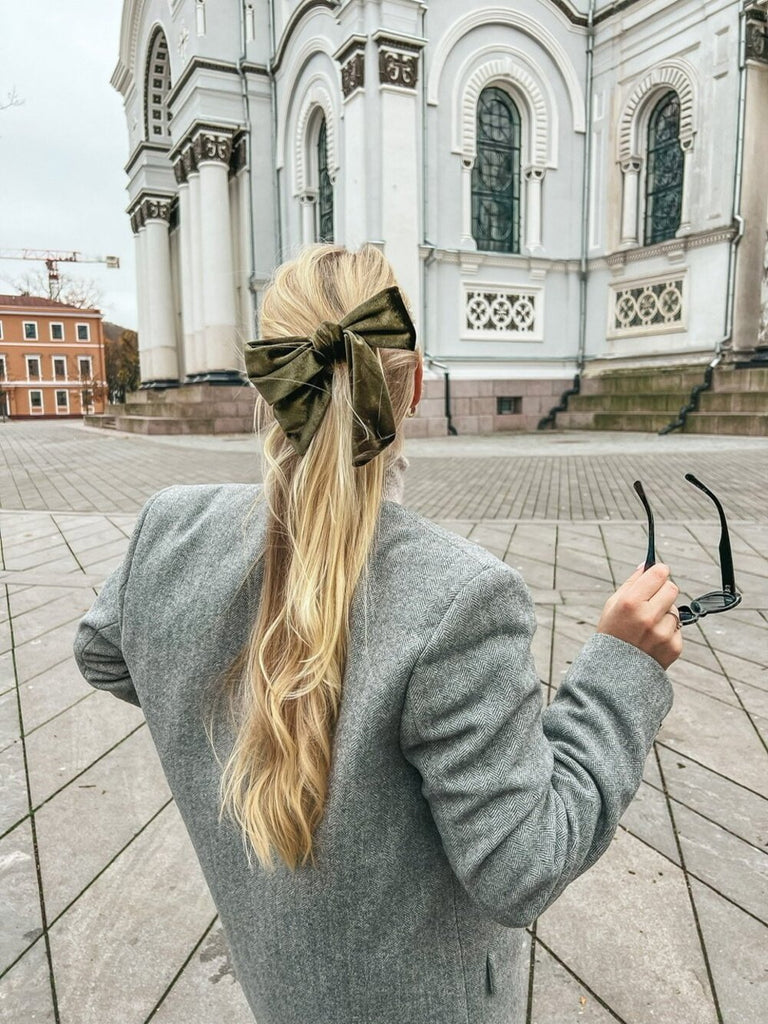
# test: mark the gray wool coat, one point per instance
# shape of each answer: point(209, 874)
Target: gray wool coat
point(458, 808)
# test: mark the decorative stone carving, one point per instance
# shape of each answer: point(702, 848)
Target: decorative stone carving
point(534, 173)
point(188, 159)
point(632, 165)
point(398, 68)
point(757, 36)
point(155, 208)
point(179, 171)
point(353, 74)
point(507, 314)
point(655, 304)
point(212, 145)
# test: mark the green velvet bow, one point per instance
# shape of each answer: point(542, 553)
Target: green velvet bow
point(294, 374)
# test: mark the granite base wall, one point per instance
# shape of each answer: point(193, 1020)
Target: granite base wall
point(474, 405)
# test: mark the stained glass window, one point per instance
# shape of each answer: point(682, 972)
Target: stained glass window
point(496, 174)
point(324, 189)
point(664, 179)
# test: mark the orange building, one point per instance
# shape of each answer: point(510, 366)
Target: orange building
point(51, 359)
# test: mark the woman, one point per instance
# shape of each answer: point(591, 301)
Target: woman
point(343, 698)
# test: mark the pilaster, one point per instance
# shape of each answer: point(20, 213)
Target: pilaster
point(752, 251)
point(398, 65)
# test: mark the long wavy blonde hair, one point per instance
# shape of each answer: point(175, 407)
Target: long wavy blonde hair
point(285, 688)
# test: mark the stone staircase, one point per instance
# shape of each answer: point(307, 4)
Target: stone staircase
point(648, 399)
point(228, 409)
point(193, 409)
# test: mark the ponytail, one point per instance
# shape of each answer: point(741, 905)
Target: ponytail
point(286, 687)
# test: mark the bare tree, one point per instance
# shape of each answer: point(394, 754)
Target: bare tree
point(11, 99)
point(84, 293)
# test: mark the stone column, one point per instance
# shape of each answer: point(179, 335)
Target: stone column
point(308, 201)
point(400, 148)
point(159, 290)
point(467, 238)
point(196, 364)
point(533, 177)
point(631, 171)
point(353, 217)
point(185, 265)
point(754, 195)
point(213, 150)
point(685, 212)
point(145, 356)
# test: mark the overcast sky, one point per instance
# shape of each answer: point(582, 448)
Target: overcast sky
point(62, 152)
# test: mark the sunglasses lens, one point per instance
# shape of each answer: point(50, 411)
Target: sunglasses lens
point(717, 601)
point(686, 615)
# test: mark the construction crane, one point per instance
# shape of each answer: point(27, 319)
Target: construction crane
point(52, 257)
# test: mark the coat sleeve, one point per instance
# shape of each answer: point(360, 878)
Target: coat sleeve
point(525, 799)
point(98, 641)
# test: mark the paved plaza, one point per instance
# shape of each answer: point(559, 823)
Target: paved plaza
point(104, 916)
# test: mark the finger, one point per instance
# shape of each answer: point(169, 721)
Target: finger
point(648, 583)
point(663, 600)
point(635, 576)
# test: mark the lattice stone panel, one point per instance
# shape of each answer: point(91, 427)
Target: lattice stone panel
point(507, 314)
point(652, 305)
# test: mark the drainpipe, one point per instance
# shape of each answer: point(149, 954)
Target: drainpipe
point(273, 90)
point(586, 191)
point(586, 197)
point(249, 143)
point(429, 259)
point(737, 183)
point(722, 344)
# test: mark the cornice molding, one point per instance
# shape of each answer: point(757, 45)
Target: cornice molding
point(201, 64)
point(669, 247)
point(142, 147)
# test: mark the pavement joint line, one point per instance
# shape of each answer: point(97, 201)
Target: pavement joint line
point(689, 889)
point(32, 822)
point(180, 971)
point(580, 981)
point(694, 810)
point(79, 775)
point(693, 875)
point(37, 637)
point(111, 861)
point(700, 764)
point(58, 714)
point(736, 693)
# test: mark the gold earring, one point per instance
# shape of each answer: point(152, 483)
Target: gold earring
point(411, 412)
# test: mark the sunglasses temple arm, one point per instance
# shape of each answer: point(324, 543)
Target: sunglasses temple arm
point(650, 558)
point(726, 557)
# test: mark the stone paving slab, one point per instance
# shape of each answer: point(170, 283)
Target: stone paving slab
point(107, 917)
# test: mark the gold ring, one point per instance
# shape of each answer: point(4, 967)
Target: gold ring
point(677, 618)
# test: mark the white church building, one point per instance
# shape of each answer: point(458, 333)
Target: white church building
point(561, 186)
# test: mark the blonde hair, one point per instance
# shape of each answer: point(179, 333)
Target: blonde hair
point(285, 688)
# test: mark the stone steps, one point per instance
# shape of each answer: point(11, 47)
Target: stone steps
point(664, 380)
point(650, 399)
point(741, 423)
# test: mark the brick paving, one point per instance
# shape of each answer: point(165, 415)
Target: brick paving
point(105, 914)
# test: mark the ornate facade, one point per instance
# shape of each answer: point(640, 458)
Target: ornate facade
point(557, 183)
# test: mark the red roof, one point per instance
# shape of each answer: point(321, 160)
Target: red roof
point(38, 302)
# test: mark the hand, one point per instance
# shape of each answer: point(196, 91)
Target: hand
point(642, 613)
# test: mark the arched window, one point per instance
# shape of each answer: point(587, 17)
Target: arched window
point(664, 177)
point(324, 188)
point(496, 174)
point(157, 85)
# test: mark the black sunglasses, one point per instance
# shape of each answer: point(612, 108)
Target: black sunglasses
point(718, 600)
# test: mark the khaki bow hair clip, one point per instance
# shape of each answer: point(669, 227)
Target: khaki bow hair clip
point(294, 375)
